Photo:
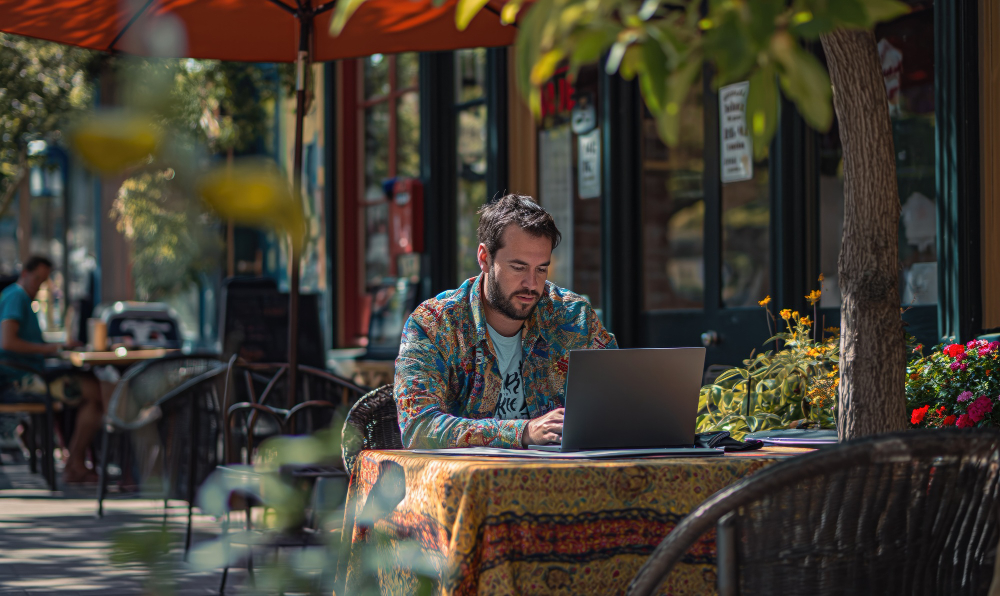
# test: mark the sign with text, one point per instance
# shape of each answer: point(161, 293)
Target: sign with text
point(737, 146)
point(589, 164)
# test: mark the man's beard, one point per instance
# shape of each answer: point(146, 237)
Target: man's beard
point(505, 304)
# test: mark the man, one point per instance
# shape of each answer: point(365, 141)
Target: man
point(21, 343)
point(485, 365)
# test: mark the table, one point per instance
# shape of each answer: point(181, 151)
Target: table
point(119, 357)
point(491, 525)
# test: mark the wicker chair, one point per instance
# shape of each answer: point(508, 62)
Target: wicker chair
point(40, 420)
point(906, 513)
point(373, 423)
point(132, 404)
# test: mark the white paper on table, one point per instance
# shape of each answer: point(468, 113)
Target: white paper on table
point(595, 454)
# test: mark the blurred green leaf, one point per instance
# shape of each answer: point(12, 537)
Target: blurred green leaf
point(342, 11)
point(653, 78)
point(850, 13)
point(763, 15)
point(762, 109)
point(806, 83)
point(880, 11)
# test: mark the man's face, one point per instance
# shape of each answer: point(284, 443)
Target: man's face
point(516, 274)
point(33, 280)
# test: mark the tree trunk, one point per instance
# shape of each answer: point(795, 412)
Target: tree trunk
point(872, 344)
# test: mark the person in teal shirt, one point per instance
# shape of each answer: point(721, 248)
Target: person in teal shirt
point(22, 345)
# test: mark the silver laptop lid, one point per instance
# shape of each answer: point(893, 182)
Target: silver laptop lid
point(640, 398)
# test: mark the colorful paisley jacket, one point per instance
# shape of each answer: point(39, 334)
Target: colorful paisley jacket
point(448, 378)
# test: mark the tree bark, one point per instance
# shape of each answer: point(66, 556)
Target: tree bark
point(872, 343)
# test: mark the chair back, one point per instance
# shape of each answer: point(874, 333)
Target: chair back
point(257, 400)
point(145, 383)
point(373, 423)
point(189, 426)
point(905, 513)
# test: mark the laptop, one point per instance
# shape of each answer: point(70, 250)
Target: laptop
point(639, 399)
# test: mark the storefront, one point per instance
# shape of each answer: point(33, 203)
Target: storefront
point(675, 246)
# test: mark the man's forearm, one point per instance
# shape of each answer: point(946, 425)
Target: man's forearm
point(20, 346)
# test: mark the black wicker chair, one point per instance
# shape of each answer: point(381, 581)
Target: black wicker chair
point(132, 409)
point(373, 423)
point(906, 513)
point(40, 421)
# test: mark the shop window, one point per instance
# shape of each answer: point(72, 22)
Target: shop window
point(906, 49)
point(673, 211)
point(390, 112)
point(470, 107)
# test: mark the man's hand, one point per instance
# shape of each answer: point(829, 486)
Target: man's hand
point(547, 428)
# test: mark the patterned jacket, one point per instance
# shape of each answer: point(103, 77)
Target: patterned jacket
point(448, 377)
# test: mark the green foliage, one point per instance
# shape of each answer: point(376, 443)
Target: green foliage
point(794, 387)
point(955, 385)
point(173, 240)
point(147, 547)
point(665, 45)
point(41, 85)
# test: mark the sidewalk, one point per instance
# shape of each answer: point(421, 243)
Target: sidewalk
point(52, 543)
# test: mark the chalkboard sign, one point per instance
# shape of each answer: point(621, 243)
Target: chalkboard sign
point(255, 323)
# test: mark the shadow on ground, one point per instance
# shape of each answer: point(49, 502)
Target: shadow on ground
point(52, 543)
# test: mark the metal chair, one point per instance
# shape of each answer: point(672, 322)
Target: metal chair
point(133, 406)
point(372, 423)
point(256, 394)
point(40, 420)
point(905, 513)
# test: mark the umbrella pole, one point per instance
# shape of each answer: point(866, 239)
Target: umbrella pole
point(301, 64)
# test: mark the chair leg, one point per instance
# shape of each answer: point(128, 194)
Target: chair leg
point(165, 505)
point(102, 481)
point(49, 452)
point(187, 539)
point(222, 586)
point(29, 438)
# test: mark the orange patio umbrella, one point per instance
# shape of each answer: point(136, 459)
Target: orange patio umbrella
point(256, 31)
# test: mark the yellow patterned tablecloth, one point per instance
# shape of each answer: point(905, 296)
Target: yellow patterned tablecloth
point(489, 525)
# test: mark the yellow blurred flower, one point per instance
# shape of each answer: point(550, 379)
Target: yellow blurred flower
point(765, 301)
point(832, 329)
point(813, 297)
point(806, 321)
point(111, 142)
point(786, 313)
point(820, 277)
point(795, 315)
point(254, 192)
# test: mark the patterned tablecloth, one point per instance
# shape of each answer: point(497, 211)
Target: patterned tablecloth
point(491, 525)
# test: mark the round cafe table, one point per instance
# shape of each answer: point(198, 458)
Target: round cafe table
point(509, 525)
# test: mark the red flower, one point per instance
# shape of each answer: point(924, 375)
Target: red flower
point(955, 350)
point(918, 415)
point(964, 421)
point(948, 421)
point(979, 408)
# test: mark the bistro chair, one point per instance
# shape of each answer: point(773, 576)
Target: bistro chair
point(40, 420)
point(256, 396)
point(372, 423)
point(134, 406)
point(914, 512)
point(188, 425)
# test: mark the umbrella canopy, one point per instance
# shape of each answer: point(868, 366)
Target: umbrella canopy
point(250, 30)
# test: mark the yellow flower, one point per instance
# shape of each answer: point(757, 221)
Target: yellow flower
point(795, 315)
point(765, 301)
point(786, 314)
point(832, 329)
point(813, 297)
point(820, 277)
point(806, 321)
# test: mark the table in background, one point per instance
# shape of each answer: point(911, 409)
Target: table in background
point(497, 525)
point(115, 358)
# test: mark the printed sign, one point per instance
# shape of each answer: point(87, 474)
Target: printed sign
point(737, 146)
point(589, 165)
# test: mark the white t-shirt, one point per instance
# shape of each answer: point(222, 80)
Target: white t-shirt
point(510, 405)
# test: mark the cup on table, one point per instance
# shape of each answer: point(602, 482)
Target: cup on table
point(97, 331)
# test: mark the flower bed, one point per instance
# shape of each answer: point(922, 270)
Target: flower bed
point(955, 385)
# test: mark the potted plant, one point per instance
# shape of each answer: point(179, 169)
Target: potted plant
point(955, 385)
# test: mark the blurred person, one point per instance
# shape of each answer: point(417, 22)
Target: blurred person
point(22, 343)
point(485, 364)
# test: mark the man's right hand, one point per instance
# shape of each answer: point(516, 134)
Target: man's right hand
point(547, 428)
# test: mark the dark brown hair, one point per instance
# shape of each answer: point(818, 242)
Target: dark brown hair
point(521, 210)
point(34, 262)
